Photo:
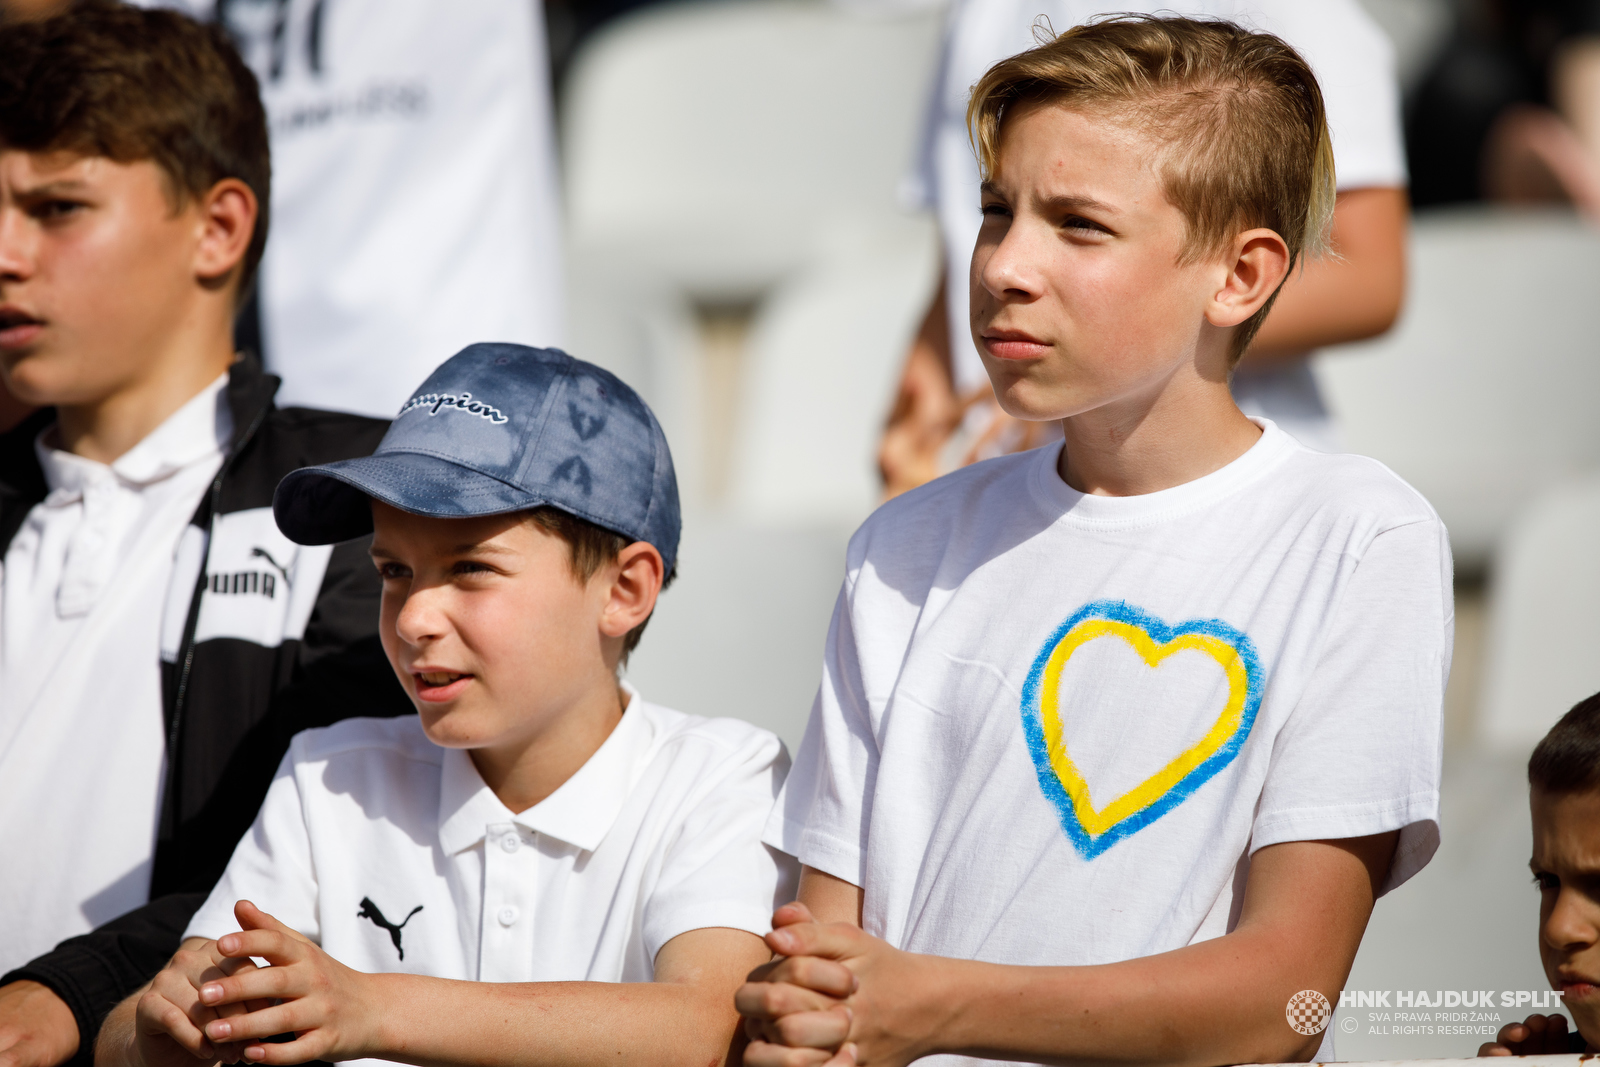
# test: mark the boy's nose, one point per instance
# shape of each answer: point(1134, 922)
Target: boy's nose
point(1005, 269)
point(16, 245)
point(421, 619)
point(1573, 923)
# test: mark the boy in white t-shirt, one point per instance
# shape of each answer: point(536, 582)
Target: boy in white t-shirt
point(1118, 740)
point(538, 826)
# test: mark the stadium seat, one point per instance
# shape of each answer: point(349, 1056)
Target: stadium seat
point(737, 156)
point(1485, 393)
point(1543, 652)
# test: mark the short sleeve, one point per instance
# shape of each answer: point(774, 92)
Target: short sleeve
point(1355, 66)
point(716, 872)
point(822, 815)
point(1361, 752)
point(271, 866)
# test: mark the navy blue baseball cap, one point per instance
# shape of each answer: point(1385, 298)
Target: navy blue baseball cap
point(501, 428)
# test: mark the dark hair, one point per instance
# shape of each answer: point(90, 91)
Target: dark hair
point(592, 547)
point(132, 84)
point(1568, 759)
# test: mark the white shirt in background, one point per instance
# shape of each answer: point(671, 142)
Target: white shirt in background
point(1354, 64)
point(370, 826)
point(1053, 728)
point(82, 750)
point(414, 188)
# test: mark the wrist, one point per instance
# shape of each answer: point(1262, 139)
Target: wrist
point(942, 993)
point(973, 1000)
point(381, 1034)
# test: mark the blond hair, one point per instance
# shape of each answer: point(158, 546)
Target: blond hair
point(1239, 114)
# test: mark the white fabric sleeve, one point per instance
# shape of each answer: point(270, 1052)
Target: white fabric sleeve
point(716, 871)
point(1361, 752)
point(1355, 65)
point(271, 866)
point(823, 813)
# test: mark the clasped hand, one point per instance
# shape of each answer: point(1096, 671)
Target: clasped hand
point(823, 1003)
point(212, 1002)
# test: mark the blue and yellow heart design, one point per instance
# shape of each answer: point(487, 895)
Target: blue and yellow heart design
point(1094, 829)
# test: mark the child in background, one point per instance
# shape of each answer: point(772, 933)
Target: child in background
point(1564, 794)
point(1118, 740)
point(542, 868)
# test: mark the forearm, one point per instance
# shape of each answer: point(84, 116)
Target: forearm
point(435, 1022)
point(1220, 1001)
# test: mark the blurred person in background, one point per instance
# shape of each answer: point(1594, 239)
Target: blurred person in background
point(414, 190)
point(944, 414)
point(1510, 111)
point(160, 640)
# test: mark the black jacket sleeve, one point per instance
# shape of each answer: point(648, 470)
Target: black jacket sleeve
point(95, 972)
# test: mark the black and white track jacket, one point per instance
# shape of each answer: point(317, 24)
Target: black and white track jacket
point(261, 638)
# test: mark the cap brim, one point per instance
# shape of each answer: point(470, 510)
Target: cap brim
point(332, 503)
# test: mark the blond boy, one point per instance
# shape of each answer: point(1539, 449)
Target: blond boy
point(1118, 740)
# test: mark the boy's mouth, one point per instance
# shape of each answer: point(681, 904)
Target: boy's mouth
point(440, 685)
point(17, 327)
point(1013, 344)
point(1577, 988)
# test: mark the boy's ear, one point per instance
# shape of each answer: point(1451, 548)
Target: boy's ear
point(633, 592)
point(1259, 263)
point(227, 216)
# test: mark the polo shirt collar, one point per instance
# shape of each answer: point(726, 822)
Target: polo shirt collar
point(198, 429)
point(579, 813)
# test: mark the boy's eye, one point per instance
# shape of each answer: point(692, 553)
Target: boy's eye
point(999, 211)
point(387, 571)
point(468, 566)
point(56, 209)
point(1082, 225)
point(1546, 881)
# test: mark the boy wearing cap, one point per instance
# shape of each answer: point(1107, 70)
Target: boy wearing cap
point(539, 826)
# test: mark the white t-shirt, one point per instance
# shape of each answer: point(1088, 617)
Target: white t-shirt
point(369, 826)
point(414, 188)
point(82, 748)
point(1053, 728)
point(1354, 64)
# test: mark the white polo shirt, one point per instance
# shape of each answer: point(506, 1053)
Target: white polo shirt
point(83, 601)
point(393, 855)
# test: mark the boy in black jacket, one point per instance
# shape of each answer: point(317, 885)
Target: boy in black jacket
point(158, 636)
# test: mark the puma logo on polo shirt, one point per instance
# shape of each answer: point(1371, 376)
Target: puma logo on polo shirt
point(369, 910)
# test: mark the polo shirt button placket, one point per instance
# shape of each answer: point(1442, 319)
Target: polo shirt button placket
point(511, 875)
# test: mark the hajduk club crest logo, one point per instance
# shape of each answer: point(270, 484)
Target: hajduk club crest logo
point(1308, 1012)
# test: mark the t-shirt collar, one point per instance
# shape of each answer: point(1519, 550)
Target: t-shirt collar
point(579, 813)
point(198, 429)
point(1068, 505)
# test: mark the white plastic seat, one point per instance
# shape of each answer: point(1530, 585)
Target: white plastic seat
point(721, 154)
point(1485, 393)
point(1543, 652)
